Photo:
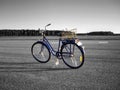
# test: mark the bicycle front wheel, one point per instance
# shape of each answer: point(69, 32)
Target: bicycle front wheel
point(40, 52)
point(72, 55)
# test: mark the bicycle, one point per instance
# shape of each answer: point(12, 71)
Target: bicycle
point(69, 50)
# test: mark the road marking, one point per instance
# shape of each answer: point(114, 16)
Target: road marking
point(103, 42)
point(54, 42)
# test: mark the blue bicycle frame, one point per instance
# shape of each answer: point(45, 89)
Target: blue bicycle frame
point(50, 47)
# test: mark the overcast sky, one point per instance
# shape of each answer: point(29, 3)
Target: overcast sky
point(85, 15)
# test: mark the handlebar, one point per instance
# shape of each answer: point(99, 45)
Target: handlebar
point(43, 31)
point(48, 24)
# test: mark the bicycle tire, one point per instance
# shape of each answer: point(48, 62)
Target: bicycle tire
point(73, 59)
point(40, 52)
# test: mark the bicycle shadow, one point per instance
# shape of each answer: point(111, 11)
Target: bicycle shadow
point(24, 67)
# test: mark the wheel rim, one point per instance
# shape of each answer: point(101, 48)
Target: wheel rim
point(40, 52)
point(73, 57)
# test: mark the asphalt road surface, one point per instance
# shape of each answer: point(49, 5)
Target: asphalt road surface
point(20, 71)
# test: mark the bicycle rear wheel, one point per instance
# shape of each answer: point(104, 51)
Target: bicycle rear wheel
point(72, 55)
point(40, 52)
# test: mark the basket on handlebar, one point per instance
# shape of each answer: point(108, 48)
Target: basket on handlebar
point(71, 34)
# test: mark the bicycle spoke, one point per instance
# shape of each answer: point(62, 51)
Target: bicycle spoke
point(74, 61)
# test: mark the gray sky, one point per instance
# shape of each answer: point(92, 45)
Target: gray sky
point(85, 15)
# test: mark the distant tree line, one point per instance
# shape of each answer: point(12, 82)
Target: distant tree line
point(23, 32)
point(18, 32)
point(100, 33)
point(28, 32)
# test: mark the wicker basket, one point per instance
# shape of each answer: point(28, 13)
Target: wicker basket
point(69, 34)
